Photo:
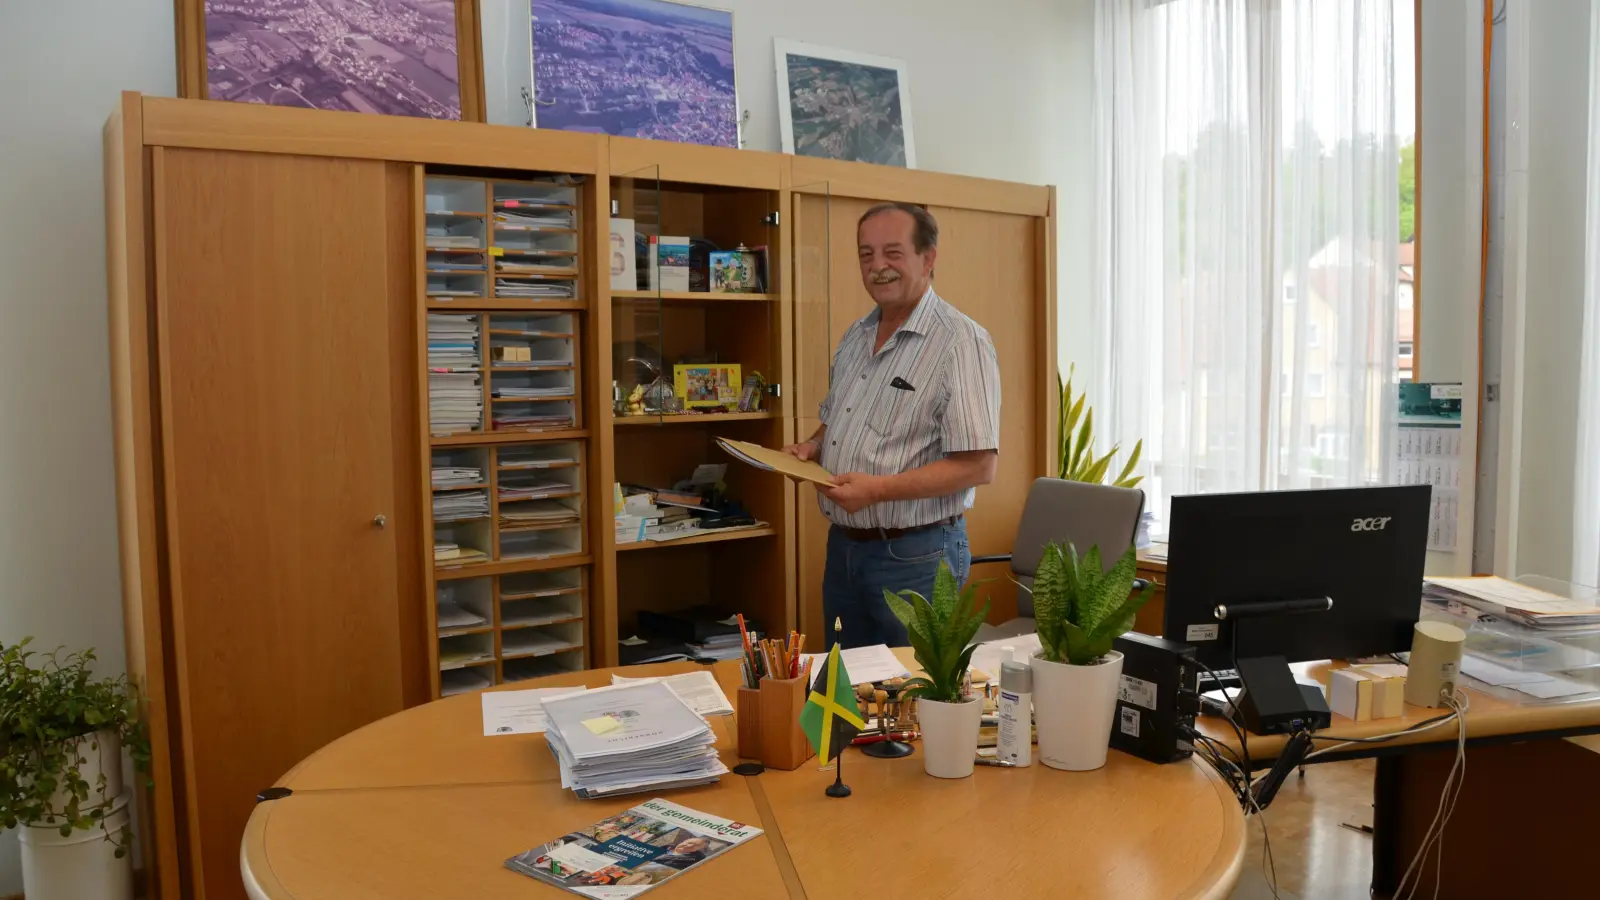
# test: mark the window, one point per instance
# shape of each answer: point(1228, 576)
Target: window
point(1193, 101)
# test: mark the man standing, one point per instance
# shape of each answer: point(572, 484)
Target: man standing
point(910, 426)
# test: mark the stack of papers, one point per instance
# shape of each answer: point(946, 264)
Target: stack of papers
point(559, 392)
point(538, 512)
point(452, 554)
point(508, 419)
point(1516, 602)
point(535, 261)
point(453, 617)
point(523, 458)
point(698, 689)
point(1539, 685)
point(865, 665)
point(522, 489)
point(990, 654)
point(439, 237)
point(537, 288)
point(775, 461)
point(455, 402)
point(722, 646)
point(458, 263)
point(456, 476)
point(629, 738)
point(531, 218)
point(459, 506)
point(452, 342)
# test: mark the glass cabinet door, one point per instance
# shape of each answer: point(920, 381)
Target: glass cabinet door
point(641, 389)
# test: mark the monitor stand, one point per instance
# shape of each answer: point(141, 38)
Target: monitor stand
point(1272, 702)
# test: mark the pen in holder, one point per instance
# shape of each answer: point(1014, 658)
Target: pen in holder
point(783, 744)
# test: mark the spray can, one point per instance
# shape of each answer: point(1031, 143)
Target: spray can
point(1015, 744)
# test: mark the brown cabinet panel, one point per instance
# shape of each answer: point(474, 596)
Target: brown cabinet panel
point(274, 290)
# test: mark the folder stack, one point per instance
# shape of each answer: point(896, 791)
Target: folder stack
point(455, 395)
point(460, 506)
point(630, 738)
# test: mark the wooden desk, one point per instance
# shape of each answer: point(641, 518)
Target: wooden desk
point(1525, 787)
point(422, 805)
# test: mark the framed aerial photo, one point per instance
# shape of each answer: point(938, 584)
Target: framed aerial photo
point(839, 104)
point(635, 68)
point(416, 58)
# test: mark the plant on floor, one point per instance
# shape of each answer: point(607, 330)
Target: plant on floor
point(1079, 607)
point(52, 712)
point(1075, 432)
point(940, 633)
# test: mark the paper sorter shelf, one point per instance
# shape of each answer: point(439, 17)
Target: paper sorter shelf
point(534, 643)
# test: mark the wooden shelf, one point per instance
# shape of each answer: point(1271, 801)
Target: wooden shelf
point(438, 489)
point(712, 538)
point(473, 664)
point(558, 465)
point(548, 273)
point(541, 595)
point(523, 529)
point(503, 304)
point(478, 250)
point(531, 369)
point(561, 496)
point(471, 438)
point(474, 272)
point(453, 213)
point(559, 398)
point(685, 418)
point(534, 229)
point(513, 204)
point(472, 629)
point(694, 296)
point(512, 566)
point(512, 626)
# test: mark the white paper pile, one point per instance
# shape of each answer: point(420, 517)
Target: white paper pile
point(456, 476)
point(558, 392)
point(630, 738)
point(538, 512)
point(455, 398)
point(453, 342)
point(523, 488)
point(535, 288)
point(459, 506)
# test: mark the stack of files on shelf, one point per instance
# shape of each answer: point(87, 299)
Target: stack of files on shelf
point(452, 554)
point(636, 651)
point(509, 419)
point(455, 397)
point(535, 261)
point(1519, 603)
point(516, 489)
point(455, 402)
point(719, 647)
point(559, 392)
point(460, 506)
point(453, 342)
point(456, 476)
point(538, 512)
point(456, 657)
point(460, 681)
point(439, 237)
point(526, 217)
point(452, 617)
point(661, 743)
point(531, 362)
point(514, 458)
point(535, 288)
point(458, 264)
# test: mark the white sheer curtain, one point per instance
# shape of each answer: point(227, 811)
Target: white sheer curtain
point(1586, 502)
point(1246, 264)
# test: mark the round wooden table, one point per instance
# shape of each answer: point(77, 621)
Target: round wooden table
point(422, 805)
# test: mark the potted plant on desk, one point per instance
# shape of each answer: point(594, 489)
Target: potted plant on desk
point(1079, 609)
point(62, 732)
point(941, 632)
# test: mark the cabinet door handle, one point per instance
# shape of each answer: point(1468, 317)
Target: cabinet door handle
point(380, 520)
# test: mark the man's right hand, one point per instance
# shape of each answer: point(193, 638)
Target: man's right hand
point(804, 451)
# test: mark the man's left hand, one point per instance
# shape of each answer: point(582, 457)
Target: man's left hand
point(855, 491)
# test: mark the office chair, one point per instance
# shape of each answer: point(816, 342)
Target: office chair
point(1056, 511)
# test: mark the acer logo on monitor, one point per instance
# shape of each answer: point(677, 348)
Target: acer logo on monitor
point(1375, 524)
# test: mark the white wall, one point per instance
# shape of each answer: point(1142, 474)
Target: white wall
point(1002, 92)
point(63, 65)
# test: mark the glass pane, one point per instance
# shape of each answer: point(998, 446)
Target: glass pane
point(642, 383)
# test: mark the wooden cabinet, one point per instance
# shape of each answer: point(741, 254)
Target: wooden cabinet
point(286, 551)
point(286, 513)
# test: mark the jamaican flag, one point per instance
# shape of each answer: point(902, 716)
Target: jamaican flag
point(830, 717)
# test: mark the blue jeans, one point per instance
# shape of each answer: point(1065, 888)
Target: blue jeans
point(858, 572)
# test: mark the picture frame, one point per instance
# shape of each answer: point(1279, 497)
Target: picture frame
point(416, 55)
point(571, 94)
point(845, 105)
point(707, 385)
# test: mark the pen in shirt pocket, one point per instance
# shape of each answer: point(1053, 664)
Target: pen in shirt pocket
point(901, 383)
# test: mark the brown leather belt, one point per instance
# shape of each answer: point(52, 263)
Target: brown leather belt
point(886, 534)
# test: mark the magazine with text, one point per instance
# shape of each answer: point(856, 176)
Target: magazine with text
point(633, 851)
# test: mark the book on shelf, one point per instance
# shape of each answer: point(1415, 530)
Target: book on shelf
point(672, 254)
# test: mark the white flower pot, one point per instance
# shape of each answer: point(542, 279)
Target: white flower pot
point(101, 752)
point(80, 866)
point(949, 736)
point(1073, 708)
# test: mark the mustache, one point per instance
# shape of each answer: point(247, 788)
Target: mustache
point(885, 276)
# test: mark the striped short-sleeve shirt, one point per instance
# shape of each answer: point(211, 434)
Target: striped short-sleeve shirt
point(947, 401)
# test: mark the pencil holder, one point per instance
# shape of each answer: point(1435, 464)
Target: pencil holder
point(783, 744)
point(747, 712)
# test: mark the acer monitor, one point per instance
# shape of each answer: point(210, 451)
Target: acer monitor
point(1303, 575)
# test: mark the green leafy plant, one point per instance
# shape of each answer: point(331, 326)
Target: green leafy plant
point(1075, 434)
point(1079, 608)
point(940, 633)
point(51, 709)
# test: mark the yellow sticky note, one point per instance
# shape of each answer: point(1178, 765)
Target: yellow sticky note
point(497, 251)
point(602, 725)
